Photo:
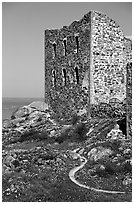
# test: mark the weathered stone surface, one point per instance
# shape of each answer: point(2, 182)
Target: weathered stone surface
point(89, 67)
point(98, 153)
point(22, 112)
point(38, 105)
point(115, 134)
point(127, 181)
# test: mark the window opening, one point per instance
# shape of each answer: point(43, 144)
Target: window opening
point(65, 46)
point(64, 76)
point(54, 47)
point(77, 75)
point(54, 77)
point(77, 43)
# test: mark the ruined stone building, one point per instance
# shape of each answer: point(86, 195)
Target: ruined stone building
point(85, 64)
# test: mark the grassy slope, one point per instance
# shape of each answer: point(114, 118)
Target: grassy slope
point(50, 181)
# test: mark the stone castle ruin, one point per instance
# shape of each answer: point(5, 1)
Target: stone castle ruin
point(86, 63)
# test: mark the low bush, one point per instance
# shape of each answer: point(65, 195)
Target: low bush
point(34, 135)
point(80, 131)
point(127, 167)
point(43, 135)
point(64, 136)
point(74, 119)
point(77, 132)
point(110, 168)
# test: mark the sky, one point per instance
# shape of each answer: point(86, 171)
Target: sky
point(23, 26)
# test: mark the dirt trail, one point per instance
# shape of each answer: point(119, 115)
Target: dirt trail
point(84, 161)
point(72, 178)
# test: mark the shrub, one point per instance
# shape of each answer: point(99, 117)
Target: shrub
point(43, 135)
point(110, 168)
point(127, 167)
point(115, 145)
point(80, 131)
point(34, 134)
point(74, 119)
point(27, 135)
point(76, 132)
point(64, 136)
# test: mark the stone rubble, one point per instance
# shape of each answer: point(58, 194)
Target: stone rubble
point(112, 158)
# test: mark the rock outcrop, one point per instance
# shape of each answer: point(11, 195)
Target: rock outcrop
point(35, 124)
point(34, 118)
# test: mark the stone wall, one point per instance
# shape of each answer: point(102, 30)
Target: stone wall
point(67, 61)
point(129, 99)
point(85, 64)
point(108, 60)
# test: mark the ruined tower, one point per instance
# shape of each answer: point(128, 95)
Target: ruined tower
point(85, 64)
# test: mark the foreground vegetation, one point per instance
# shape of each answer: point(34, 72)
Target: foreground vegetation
point(36, 163)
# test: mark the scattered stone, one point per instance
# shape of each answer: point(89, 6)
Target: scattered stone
point(73, 154)
point(52, 133)
point(127, 181)
point(8, 160)
point(39, 120)
point(115, 160)
point(127, 151)
point(115, 134)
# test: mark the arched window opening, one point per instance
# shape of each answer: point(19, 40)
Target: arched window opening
point(54, 77)
point(64, 77)
point(65, 46)
point(77, 43)
point(77, 74)
point(54, 48)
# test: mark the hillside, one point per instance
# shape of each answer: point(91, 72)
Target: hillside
point(48, 160)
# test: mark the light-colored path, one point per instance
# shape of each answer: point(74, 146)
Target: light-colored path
point(75, 169)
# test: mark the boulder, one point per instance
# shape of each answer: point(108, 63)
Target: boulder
point(127, 181)
point(34, 115)
point(115, 160)
point(52, 133)
point(8, 160)
point(17, 121)
point(98, 153)
point(38, 105)
point(73, 154)
point(22, 112)
point(115, 134)
point(82, 112)
point(35, 107)
point(6, 169)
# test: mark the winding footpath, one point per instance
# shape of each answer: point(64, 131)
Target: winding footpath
point(75, 169)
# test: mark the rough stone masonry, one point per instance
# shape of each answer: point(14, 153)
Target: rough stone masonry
point(86, 63)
